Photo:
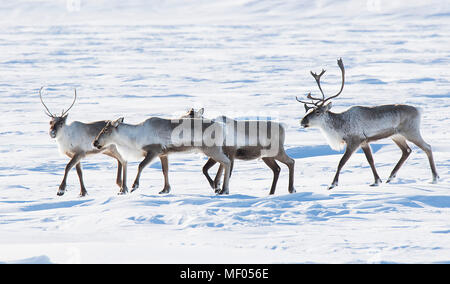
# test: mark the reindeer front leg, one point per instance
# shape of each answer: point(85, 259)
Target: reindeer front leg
point(148, 158)
point(225, 162)
point(124, 188)
point(75, 160)
point(351, 148)
point(205, 169)
point(368, 152)
point(165, 170)
point(83, 190)
point(119, 173)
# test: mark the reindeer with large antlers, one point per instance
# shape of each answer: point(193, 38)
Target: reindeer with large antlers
point(358, 126)
point(75, 141)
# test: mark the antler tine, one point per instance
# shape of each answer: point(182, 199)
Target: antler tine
point(47, 111)
point(74, 99)
point(317, 78)
point(309, 97)
point(341, 66)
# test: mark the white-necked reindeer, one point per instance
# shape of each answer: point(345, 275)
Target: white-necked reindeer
point(75, 141)
point(161, 137)
point(358, 126)
point(250, 140)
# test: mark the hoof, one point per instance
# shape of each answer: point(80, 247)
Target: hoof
point(435, 180)
point(222, 192)
point(165, 191)
point(377, 182)
point(390, 178)
point(333, 185)
point(83, 194)
point(123, 191)
point(60, 192)
point(292, 190)
point(134, 188)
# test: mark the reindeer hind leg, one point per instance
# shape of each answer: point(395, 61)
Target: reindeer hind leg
point(83, 190)
point(368, 152)
point(272, 164)
point(418, 140)
point(400, 141)
point(290, 163)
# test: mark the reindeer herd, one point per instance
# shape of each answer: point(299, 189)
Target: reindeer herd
point(224, 139)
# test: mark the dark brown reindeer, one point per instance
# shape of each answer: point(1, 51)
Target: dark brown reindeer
point(75, 141)
point(358, 126)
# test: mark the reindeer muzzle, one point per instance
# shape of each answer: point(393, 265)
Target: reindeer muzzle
point(305, 123)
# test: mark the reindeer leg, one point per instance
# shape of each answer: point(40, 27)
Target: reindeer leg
point(225, 162)
point(205, 169)
point(83, 190)
point(368, 152)
point(226, 178)
point(165, 170)
point(217, 179)
point(124, 188)
point(119, 173)
point(351, 148)
point(113, 153)
point(427, 149)
point(219, 175)
point(271, 163)
point(290, 163)
point(75, 159)
point(406, 151)
point(148, 158)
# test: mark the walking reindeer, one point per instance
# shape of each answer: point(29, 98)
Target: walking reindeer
point(161, 137)
point(358, 126)
point(250, 140)
point(75, 141)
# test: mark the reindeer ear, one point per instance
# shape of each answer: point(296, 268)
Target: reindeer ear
point(307, 107)
point(65, 116)
point(328, 106)
point(201, 111)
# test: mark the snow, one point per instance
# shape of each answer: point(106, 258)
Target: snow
point(239, 58)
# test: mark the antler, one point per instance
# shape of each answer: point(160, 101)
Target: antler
point(317, 78)
point(47, 112)
point(323, 100)
point(74, 99)
point(341, 66)
point(315, 104)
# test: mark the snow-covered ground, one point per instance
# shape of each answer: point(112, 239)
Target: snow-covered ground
point(241, 58)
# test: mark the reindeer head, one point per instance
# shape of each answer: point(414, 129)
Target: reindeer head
point(107, 134)
point(57, 121)
point(194, 114)
point(317, 105)
point(315, 117)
